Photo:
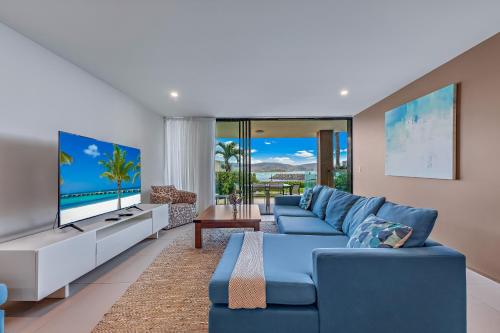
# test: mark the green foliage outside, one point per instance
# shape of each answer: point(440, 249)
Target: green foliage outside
point(342, 180)
point(225, 182)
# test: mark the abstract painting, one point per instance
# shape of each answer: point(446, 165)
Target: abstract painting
point(420, 136)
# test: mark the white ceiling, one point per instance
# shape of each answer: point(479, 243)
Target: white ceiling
point(255, 58)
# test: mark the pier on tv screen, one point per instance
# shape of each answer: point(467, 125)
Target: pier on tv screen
point(96, 177)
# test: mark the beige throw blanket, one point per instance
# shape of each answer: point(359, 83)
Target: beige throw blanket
point(247, 287)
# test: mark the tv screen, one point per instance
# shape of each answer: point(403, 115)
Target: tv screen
point(96, 177)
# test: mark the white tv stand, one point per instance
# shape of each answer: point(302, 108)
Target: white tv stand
point(42, 265)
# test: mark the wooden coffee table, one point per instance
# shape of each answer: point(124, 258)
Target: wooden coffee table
point(222, 216)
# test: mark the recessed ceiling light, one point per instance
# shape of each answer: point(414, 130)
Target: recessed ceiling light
point(259, 131)
point(174, 94)
point(344, 92)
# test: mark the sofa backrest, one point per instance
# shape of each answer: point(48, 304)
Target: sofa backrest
point(360, 211)
point(338, 206)
point(319, 206)
point(420, 219)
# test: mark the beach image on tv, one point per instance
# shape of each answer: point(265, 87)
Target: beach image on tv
point(96, 177)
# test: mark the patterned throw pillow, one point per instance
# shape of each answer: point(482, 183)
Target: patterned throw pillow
point(376, 232)
point(305, 199)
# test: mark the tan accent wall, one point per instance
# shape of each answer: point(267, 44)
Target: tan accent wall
point(469, 208)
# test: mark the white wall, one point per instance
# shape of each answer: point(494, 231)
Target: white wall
point(40, 94)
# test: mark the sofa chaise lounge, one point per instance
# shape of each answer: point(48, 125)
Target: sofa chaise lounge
point(315, 284)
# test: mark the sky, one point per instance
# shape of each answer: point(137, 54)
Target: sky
point(84, 174)
point(287, 150)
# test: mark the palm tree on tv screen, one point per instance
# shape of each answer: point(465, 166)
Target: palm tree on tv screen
point(117, 169)
point(227, 151)
point(64, 159)
point(137, 170)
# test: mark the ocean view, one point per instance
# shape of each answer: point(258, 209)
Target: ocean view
point(266, 176)
point(81, 199)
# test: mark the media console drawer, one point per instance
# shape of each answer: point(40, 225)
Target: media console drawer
point(116, 240)
point(63, 262)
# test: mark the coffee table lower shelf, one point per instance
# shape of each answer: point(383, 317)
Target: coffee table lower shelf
point(198, 234)
point(220, 216)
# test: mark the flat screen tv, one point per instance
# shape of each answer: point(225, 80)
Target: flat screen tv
point(95, 177)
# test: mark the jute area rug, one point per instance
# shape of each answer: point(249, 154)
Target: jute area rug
point(172, 293)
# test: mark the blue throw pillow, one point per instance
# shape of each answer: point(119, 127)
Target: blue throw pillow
point(360, 211)
point(316, 190)
point(305, 199)
point(420, 219)
point(338, 206)
point(320, 205)
point(376, 232)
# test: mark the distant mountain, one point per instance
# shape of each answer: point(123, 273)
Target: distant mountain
point(282, 167)
point(272, 167)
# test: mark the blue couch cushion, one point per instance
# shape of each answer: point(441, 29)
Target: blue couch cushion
point(316, 190)
point(291, 211)
point(338, 206)
point(287, 267)
point(320, 204)
point(305, 226)
point(359, 212)
point(420, 219)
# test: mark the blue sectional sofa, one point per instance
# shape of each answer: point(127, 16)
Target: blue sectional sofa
point(315, 284)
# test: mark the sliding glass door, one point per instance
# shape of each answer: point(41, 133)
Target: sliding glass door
point(233, 160)
point(245, 165)
point(263, 158)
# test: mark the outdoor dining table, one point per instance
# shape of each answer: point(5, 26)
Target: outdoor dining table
point(267, 190)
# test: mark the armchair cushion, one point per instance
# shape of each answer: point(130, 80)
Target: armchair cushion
point(163, 194)
point(169, 194)
point(158, 198)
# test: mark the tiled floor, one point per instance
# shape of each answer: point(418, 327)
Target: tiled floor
point(93, 294)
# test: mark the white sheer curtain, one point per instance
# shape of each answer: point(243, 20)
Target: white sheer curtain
point(190, 157)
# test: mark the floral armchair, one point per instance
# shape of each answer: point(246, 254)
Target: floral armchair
point(182, 204)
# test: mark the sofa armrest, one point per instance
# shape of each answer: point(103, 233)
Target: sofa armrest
point(376, 290)
point(287, 200)
point(185, 197)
